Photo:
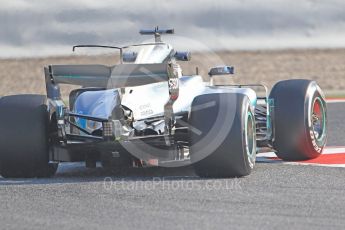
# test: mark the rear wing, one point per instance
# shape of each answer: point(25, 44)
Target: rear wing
point(83, 75)
point(129, 75)
point(124, 75)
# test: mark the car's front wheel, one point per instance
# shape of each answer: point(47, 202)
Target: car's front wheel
point(300, 119)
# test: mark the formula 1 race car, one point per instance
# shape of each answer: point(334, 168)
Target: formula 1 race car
point(144, 112)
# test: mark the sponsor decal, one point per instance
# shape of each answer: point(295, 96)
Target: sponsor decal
point(313, 141)
point(173, 83)
point(146, 109)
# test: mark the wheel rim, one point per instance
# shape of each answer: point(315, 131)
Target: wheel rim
point(250, 138)
point(318, 120)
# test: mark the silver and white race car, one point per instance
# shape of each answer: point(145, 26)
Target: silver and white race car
point(144, 112)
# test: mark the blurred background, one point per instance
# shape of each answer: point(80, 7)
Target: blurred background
point(266, 40)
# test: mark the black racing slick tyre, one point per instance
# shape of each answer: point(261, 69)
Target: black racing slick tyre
point(300, 119)
point(223, 138)
point(24, 137)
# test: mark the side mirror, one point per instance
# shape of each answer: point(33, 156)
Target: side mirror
point(129, 56)
point(183, 56)
point(221, 70)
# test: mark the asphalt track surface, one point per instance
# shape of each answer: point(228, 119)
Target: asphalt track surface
point(274, 196)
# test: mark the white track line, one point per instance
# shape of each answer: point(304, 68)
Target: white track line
point(268, 154)
point(333, 150)
point(316, 164)
point(327, 150)
point(340, 100)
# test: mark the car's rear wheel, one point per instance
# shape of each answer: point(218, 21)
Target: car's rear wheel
point(233, 143)
point(300, 119)
point(24, 137)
